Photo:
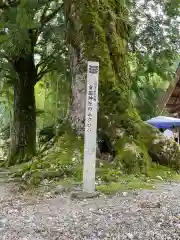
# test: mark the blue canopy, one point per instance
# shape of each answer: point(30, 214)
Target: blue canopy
point(164, 122)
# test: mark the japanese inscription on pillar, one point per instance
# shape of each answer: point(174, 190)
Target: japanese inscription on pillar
point(90, 127)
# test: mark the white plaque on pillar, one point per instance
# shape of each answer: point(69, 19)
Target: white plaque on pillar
point(90, 127)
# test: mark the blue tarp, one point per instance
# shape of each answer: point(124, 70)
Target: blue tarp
point(164, 122)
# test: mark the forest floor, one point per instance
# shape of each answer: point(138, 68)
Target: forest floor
point(145, 214)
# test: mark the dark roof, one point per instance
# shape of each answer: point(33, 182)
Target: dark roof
point(170, 100)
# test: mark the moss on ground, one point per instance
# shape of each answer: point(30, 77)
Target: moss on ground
point(115, 181)
point(131, 168)
point(62, 164)
point(115, 187)
point(62, 160)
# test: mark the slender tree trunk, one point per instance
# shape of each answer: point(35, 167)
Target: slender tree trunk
point(23, 139)
point(77, 63)
point(78, 91)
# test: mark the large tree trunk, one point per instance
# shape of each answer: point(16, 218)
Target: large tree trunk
point(102, 28)
point(23, 139)
point(94, 36)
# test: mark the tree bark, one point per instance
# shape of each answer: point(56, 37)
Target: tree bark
point(23, 139)
point(78, 91)
point(77, 64)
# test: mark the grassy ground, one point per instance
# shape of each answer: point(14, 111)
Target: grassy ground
point(155, 175)
point(109, 182)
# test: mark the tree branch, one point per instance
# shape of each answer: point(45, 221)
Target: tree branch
point(43, 72)
point(46, 18)
point(43, 61)
point(44, 13)
point(47, 60)
point(7, 58)
point(3, 55)
point(10, 77)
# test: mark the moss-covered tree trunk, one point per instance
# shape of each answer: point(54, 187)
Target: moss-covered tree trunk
point(102, 30)
point(96, 34)
point(23, 137)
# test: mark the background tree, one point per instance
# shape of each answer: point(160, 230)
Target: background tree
point(154, 48)
point(30, 46)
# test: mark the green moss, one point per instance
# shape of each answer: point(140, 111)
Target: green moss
point(35, 177)
point(63, 160)
point(115, 187)
point(108, 19)
point(132, 155)
point(113, 180)
point(110, 188)
point(163, 171)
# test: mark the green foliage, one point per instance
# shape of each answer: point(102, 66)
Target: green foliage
point(165, 172)
point(172, 8)
point(154, 51)
point(52, 99)
point(32, 28)
point(31, 45)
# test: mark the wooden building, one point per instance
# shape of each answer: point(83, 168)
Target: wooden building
point(170, 100)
